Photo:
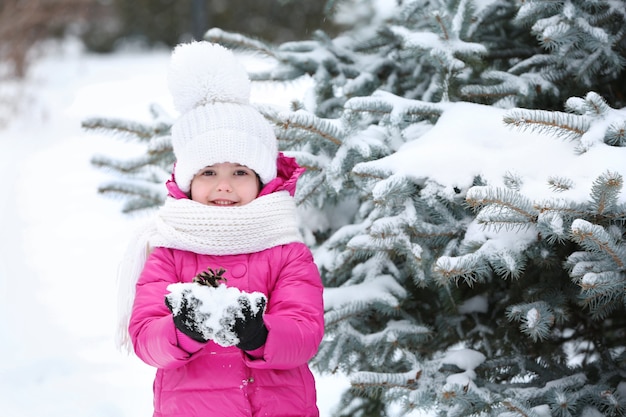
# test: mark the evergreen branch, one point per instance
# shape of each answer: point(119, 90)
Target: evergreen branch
point(367, 105)
point(388, 292)
point(368, 175)
point(368, 380)
point(560, 184)
point(580, 262)
point(159, 113)
point(307, 190)
point(395, 186)
point(337, 316)
point(161, 145)
point(361, 308)
point(442, 26)
point(124, 128)
point(384, 103)
point(434, 234)
point(368, 171)
point(536, 319)
point(517, 409)
point(498, 218)
point(127, 167)
point(605, 191)
point(469, 268)
point(602, 292)
point(537, 60)
point(595, 238)
point(135, 204)
point(501, 199)
point(595, 105)
point(616, 134)
point(551, 226)
point(562, 207)
point(238, 41)
point(557, 123)
point(122, 189)
point(506, 263)
point(307, 122)
point(473, 92)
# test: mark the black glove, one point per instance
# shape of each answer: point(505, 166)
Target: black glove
point(187, 317)
point(249, 326)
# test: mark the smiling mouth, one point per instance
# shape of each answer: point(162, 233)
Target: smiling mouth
point(223, 202)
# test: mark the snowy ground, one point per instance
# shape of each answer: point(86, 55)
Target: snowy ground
point(61, 242)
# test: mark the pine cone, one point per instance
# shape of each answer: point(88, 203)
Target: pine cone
point(210, 278)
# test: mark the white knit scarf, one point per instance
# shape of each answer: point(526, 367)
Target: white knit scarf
point(184, 224)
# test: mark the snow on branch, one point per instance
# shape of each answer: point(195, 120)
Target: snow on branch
point(501, 207)
point(238, 41)
point(605, 193)
point(384, 289)
point(595, 238)
point(373, 380)
point(470, 268)
point(141, 132)
point(562, 124)
point(310, 125)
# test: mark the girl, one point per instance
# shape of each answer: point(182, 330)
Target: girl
point(230, 210)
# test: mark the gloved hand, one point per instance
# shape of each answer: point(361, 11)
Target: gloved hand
point(248, 325)
point(187, 317)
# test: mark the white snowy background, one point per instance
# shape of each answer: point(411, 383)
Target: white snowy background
point(61, 241)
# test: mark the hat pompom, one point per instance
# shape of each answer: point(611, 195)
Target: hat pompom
point(202, 72)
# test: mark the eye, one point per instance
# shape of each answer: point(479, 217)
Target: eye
point(207, 172)
point(241, 172)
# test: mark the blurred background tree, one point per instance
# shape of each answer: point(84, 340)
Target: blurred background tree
point(24, 23)
point(106, 25)
point(172, 21)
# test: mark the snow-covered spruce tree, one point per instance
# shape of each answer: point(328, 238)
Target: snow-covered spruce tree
point(406, 280)
point(139, 180)
point(468, 298)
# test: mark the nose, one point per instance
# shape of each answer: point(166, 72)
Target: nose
point(224, 185)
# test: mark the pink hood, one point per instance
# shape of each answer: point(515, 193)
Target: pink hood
point(288, 172)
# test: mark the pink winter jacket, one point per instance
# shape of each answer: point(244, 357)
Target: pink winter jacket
point(207, 380)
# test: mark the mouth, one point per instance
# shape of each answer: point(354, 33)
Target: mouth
point(223, 203)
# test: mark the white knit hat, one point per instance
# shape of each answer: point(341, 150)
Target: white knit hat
point(211, 90)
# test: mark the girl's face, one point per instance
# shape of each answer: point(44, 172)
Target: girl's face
point(225, 184)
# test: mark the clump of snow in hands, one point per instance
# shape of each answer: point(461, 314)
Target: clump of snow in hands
point(217, 308)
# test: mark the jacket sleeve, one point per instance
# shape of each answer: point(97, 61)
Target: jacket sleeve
point(151, 327)
point(295, 312)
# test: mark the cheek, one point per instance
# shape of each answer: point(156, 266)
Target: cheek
point(197, 190)
point(257, 186)
point(250, 192)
